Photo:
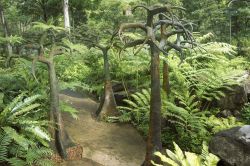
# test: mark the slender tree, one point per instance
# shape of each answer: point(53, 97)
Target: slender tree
point(94, 38)
point(156, 45)
point(61, 140)
point(107, 105)
point(6, 33)
point(66, 14)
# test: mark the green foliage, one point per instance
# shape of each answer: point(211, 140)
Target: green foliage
point(5, 141)
point(185, 121)
point(180, 158)
point(219, 124)
point(137, 111)
point(72, 72)
point(66, 108)
point(203, 75)
point(188, 117)
point(11, 40)
point(195, 84)
point(24, 136)
point(246, 113)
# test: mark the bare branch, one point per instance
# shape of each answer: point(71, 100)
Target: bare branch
point(125, 26)
point(142, 45)
point(174, 46)
point(140, 6)
point(167, 35)
point(158, 10)
point(178, 8)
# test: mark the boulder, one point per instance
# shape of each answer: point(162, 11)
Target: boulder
point(232, 146)
point(235, 99)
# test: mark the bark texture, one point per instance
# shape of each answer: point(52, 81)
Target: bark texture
point(66, 14)
point(55, 114)
point(154, 136)
point(165, 79)
point(107, 105)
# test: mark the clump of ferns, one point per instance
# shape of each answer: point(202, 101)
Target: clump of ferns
point(184, 112)
point(186, 115)
point(207, 83)
point(137, 110)
point(24, 140)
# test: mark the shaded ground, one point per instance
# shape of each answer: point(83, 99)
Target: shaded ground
point(103, 143)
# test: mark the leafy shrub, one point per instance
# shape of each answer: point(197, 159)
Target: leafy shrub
point(23, 134)
point(219, 124)
point(186, 124)
point(180, 158)
point(137, 111)
point(66, 108)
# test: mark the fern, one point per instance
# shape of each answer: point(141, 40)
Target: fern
point(18, 138)
point(37, 156)
point(16, 162)
point(66, 108)
point(180, 158)
point(26, 136)
point(137, 110)
point(25, 102)
point(219, 124)
point(5, 141)
point(46, 27)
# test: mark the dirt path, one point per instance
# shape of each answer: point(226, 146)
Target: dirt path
point(103, 143)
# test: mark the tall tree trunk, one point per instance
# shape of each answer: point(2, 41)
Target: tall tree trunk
point(154, 136)
point(66, 14)
point(44, 9)
point(61, 139)
point(6, 34)
point(107, 105)
point(165, 81)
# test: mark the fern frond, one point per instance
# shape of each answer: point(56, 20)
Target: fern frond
point(8, 109)
point(16, 162)
point(25, 102)
point(5, 141)
point(18, 138)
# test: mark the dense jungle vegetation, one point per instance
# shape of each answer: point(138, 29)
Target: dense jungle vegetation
point(171, 68)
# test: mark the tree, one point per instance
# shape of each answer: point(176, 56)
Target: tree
point(92, 37)
point(107, 105)
point(66, 14)
point(99, 33)
point(40, 10)
point(156, 45)
point(6, 31)
point(50, 37)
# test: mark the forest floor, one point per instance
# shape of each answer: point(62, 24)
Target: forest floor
point(104, 144)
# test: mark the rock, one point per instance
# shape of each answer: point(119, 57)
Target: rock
point(235, 99)
point(119, 97)
point(225, 113)
point(232, 146)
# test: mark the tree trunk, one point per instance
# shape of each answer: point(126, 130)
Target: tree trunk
point(107, 106)
point(61, 139)
point(6, 34)
point(44, 9)
point(66, 14)
point(165, 81)
point(154, 136)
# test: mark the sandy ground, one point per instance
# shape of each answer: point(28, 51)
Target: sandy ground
point(103, 143)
